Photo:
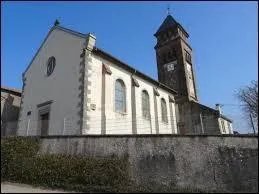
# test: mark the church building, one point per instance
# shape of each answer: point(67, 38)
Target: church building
point(72, 87)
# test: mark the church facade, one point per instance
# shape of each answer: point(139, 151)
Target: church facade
point(71, 87)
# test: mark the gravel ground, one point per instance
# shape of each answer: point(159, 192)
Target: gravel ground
point(7, 187)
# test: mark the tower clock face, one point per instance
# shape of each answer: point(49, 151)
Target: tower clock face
point(170, 66)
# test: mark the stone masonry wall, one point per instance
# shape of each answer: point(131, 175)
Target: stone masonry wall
point(210, 163)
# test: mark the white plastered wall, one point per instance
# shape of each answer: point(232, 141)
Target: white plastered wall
point(165, 128)
point(62, 86)
point(228, 126)
point(117, 123)
point(144, 125)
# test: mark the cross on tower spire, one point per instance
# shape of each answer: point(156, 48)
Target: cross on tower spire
point(168, 9)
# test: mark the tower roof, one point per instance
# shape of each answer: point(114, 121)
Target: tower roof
point(169, 22)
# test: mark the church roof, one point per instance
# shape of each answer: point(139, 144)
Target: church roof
point(169, 22)
point(134, 71)
point(202, 106)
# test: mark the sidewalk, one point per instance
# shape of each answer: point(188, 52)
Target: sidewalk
point(7, 187)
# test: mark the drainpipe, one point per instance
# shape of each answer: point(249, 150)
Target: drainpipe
point(202, 128)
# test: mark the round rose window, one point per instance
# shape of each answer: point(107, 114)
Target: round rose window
point(51, 65)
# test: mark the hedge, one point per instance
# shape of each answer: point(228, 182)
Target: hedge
point(20, 162)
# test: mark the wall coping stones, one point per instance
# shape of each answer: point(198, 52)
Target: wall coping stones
point(143, 135)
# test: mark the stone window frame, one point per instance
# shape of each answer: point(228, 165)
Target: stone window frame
point(53, 60)
point(188, 56)
point(124, 101)
point(145, 102)
point(164, 115)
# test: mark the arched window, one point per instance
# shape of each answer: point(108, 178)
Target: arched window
point(164, 110)
point(120, 96)
point(145, 105)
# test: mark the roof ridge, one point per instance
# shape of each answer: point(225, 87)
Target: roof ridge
point(79, 34)
point(70, 30)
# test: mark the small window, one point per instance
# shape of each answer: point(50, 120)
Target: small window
point(171, 55)
point(164, 58)
point(164, 110)
point(145, 105)
point(120, 96)
point(174, 52)
point(51, 65)
point(29, 113)
point(168, 33)
point(188, 57)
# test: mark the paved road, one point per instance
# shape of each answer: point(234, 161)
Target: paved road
point(7, 187)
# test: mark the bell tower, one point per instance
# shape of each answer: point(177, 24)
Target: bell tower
point(174, 59)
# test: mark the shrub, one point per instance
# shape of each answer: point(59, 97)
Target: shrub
point(20, 162)
point(14, 151)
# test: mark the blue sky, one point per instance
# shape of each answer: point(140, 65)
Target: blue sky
point(223, 36)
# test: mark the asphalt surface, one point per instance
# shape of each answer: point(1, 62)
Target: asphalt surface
point(7, 187)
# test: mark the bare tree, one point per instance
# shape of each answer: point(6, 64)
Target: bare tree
point(248, 96)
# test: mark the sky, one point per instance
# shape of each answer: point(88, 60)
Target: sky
point(223, 36)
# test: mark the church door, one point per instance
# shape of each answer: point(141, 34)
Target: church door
point(44, 118)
